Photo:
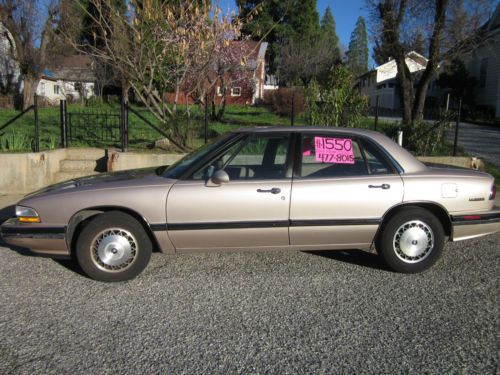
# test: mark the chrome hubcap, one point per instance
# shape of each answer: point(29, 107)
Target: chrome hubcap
point(114, 249)
point(413, 241)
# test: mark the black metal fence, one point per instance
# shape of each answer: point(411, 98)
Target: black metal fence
point(94, 127)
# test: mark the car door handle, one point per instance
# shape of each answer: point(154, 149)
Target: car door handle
point(272, 191)
point(383, 186)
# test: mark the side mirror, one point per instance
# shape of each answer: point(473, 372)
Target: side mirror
point(220, 177)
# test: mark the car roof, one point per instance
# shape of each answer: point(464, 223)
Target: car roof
point(407, 161)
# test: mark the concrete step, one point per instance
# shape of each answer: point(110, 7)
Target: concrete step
point(86, 153)
point(77, 165)
point(64, 176)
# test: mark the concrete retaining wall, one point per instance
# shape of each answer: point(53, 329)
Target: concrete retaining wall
point(119, 161)
point(22, 173)
point(455, 161)
point(25, 172)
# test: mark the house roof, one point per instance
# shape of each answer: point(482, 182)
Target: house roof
point(73, 68)
point(415, 56)
point(254, 51)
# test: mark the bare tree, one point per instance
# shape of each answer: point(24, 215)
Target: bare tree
point(233, 66)
point(447, 27)
point(31, 38)
point(159, 47)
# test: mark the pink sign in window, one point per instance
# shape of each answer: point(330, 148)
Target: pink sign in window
point(334, 150)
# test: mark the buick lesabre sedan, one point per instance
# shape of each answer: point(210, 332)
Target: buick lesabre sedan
point(262, 189)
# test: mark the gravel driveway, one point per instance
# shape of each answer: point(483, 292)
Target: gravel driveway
point(281, 312)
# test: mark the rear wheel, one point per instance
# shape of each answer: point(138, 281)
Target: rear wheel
point(411, 241)
point(113, 247)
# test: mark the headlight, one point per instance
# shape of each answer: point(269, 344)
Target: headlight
point(27, 215)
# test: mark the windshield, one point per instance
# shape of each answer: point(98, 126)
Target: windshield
point(178, 168)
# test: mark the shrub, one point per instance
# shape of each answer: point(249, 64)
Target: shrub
point(424, 138)
point(336, 103)
point(280, 100)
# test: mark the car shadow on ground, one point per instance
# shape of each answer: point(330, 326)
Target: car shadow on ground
point(354, 256)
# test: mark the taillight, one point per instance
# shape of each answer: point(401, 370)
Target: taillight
point(493, 193)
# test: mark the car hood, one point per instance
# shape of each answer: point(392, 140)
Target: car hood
point(122, 179)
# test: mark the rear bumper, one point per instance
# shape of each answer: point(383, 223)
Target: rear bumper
point(39, 239)
point(476, 224)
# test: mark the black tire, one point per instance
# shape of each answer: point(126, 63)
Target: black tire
point(113, 247)
point(411, 241)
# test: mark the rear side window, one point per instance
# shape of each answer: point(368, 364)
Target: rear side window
point(375, 161)
point(331, 156)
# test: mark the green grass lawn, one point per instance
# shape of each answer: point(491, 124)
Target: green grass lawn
point(19, 136)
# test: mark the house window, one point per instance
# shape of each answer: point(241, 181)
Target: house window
point(219, 91)
point(236, 91)
point(42, 88)
point(482, 72)
point(56, 89)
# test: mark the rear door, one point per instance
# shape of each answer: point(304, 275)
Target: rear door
point(341, 190)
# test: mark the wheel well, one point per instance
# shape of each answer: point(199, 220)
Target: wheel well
point(79, 220)
point(437, 210)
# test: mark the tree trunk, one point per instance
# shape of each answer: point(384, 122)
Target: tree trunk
point(30, 85)
point(222, 108)
point(432, 64)
point(405, 82)
point(125, 90)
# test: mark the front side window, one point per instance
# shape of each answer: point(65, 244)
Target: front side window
point(256, 157)
point(183, 165)
point(56, 89)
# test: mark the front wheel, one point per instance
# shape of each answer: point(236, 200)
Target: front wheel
point(113, 247)
point(411, 241)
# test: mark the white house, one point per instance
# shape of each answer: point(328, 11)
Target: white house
point(483, 63)
point(69, 78)
point(381, 81)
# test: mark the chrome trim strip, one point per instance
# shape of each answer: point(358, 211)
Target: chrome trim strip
point(265, 224)
point(38, 236)
point(335, 222)
point(20, 230)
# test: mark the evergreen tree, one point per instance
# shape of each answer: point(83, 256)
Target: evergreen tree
point(328, 32)
point(280, 21)
point(357, 55)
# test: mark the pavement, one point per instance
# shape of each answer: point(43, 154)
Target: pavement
point(478, 140)
point(263, 312)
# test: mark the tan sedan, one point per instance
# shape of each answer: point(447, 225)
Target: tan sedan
point(300, 188)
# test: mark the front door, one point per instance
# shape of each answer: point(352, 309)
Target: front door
point(342, 188)
point(250, 211)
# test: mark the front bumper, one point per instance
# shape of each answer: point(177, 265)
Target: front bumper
point(36, 237)
point(475, 224)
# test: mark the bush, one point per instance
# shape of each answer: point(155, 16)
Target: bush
point(336, 103)
point(280, 101)
point(424, 139)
